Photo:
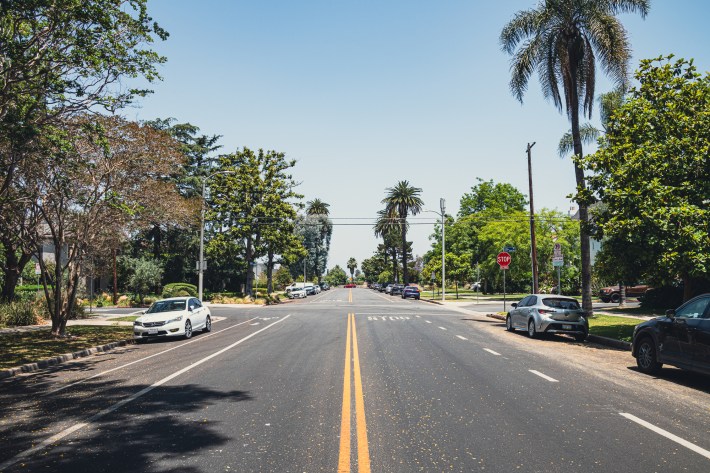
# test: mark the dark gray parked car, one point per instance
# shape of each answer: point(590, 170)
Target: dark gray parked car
point(681, 338)
point(547, 313)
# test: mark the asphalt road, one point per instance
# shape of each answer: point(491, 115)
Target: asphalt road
point(355, 381)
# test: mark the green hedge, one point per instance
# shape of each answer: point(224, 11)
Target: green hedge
point(178, 289)
point(18, 313)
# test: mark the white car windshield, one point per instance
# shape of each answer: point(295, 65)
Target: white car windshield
point(166, 306)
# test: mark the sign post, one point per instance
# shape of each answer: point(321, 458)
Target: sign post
point(503, 261)
point(557, 262)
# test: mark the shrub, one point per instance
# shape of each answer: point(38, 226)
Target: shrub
point(178, 289)
point(19, 313)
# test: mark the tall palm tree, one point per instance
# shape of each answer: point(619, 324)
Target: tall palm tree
point(388, 229)
point(352, 264)
point(562, 40)
point(402, 200)
point(318, 209)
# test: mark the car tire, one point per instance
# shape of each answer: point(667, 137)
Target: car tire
point(615, 298)
point(580, 337)
point(646, 356)
point(605, 300)
point(208, 324)
point(188, 329)
point(509, 324)
point(532, 333)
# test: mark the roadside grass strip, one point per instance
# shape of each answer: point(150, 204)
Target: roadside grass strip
point(17, 349)
point(666, 434)
point(609, 326)
point(49, 442)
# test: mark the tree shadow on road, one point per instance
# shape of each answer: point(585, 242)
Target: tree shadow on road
point(169, 424)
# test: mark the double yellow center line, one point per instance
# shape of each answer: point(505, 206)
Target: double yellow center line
point(352, 369)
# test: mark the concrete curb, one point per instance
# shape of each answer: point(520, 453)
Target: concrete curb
point(40, 365)
point(432, 301)
point(610, 342)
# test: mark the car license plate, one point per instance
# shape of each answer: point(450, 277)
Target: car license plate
point(153, 331)
point(566, 327)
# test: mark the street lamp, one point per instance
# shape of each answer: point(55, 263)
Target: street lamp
point(442, 206)
point(201, 263)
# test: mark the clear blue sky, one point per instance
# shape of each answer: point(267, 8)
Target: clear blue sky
point(366, 93)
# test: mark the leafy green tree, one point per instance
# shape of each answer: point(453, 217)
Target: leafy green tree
point(336, 276)
point(373, 266)
point(562, 40)
point(104, 177)
point(146, 277)
point(490, 196)
point(282, 277)
point(60, 58)
point(652, 173)
point(352, 264)
point(251, 209)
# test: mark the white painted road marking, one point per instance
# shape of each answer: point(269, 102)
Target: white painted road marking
point(194, 340)
point(427, 321)
point(668, 435)
point(462, 338)
point(492, 352)
point(442, 328)
point(544, 376)
point(60, 435)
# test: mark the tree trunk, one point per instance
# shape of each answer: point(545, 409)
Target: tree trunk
point(583, 206)
point(687, 286)
point(622, 294)
point(404, 249)
point(13, 269)
point(270, 272)
point(250, 273)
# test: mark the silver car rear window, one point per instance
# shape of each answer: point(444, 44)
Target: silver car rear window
point(557, 303)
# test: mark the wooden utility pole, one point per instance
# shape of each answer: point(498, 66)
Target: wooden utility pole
point(533, 241)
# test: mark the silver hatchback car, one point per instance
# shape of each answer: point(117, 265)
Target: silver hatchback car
point(548, 313)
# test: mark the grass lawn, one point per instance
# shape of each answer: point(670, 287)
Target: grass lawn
point(27, 347)
point(619, 328)
point(127, 318)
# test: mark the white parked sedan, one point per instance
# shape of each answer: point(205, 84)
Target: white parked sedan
point(174, 317)
point(296, 294)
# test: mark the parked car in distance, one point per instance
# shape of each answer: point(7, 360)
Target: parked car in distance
point(613, 293)
point(312, 289)
point(388, 289)
point(383, 287)
point(297, 293)
point(324, 286)
point(174, 317)
point(547, 313)
point(681, 338)
point(411, 291)
point(396, 289)
point(349, 286)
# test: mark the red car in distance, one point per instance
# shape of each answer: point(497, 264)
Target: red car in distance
point(349, 286)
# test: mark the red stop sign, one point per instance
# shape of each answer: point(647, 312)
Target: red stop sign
point(503, 260)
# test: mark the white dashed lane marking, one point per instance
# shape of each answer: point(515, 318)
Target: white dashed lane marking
point(462, 338)
point(492, 352)
point(668, 435)
point(442, 328)
point(427, 321)
point(544, 376)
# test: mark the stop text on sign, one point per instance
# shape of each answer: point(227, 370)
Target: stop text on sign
point(503, 260)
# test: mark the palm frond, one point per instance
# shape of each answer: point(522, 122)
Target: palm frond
point(588, 133)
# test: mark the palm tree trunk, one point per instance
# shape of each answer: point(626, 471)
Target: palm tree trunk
point(404, 249)
point(583, 207)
